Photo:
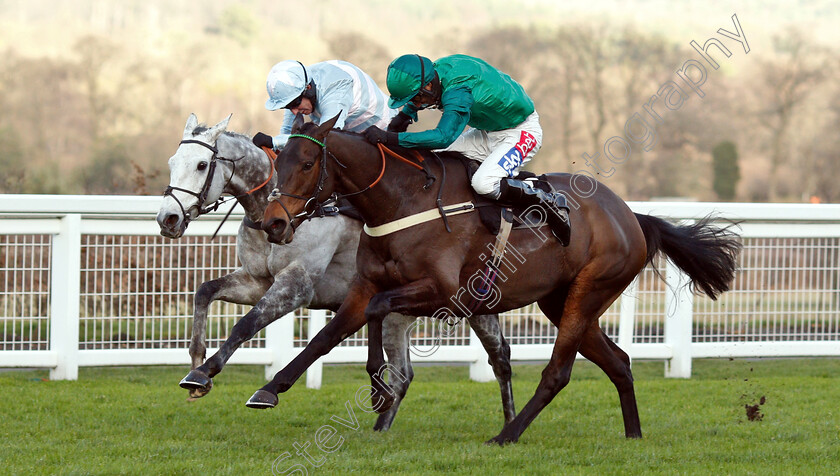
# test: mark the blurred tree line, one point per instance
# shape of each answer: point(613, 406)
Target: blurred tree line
point(103, 116)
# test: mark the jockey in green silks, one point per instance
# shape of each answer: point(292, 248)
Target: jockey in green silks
point(504, 132)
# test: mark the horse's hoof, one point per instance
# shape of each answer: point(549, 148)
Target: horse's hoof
point(262, 399)
point(383, 423)
point(197, 382)
point(198, 392)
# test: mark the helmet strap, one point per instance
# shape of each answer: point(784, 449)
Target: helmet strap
point(305, 93)
point(305, 77)
point(435, 85)
point(422, 71)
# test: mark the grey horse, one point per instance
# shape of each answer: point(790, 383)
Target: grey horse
point(314, 271)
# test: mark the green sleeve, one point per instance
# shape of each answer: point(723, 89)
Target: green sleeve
point(456, 104)
point(448, 129)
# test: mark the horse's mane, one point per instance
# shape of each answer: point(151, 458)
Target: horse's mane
point(203, 128)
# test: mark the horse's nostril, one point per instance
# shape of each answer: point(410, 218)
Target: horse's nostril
point(170, 221)
point(278, 224)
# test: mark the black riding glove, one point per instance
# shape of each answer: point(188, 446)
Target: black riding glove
point(263, 140)
point(375, 135)
point(399, 123)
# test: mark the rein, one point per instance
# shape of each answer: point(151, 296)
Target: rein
point(271, 156)
point(430, 179)
point(322, 208)
point(327, 207)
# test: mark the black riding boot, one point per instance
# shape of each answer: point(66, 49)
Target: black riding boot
point(520, 193)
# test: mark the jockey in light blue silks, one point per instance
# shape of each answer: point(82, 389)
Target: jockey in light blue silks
point(322, 90)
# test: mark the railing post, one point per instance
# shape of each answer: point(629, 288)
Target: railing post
point(317, 321)
point(627, 317)
point(678, 322)
point(280, 340)
point(64, 298)
point(480, 369)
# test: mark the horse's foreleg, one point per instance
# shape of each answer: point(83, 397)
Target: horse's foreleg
point(395, 342)
point(290, 290)
point(604, 353)
point(488, 331)
point(238, 287)
point(349, 319)
point(409, 299)
point(382, 396)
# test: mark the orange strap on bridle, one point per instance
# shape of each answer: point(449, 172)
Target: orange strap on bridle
point(271, 156)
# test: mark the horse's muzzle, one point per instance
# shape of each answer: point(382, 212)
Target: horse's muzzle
point(171, 225)
point(279, 231)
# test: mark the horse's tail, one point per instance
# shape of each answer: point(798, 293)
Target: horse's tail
point(706, 253)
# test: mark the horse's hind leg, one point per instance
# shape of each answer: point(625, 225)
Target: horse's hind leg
point(488, 331)
point(395, 342)
point(238, 287)
point(604, 353)
point(586, 300)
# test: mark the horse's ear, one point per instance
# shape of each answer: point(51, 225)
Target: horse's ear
point(325, 127)
point(297, 123)
point(215, 131)
point(192, 123)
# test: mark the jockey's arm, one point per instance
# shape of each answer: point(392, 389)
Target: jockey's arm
point(456, 104)
point(285, 129)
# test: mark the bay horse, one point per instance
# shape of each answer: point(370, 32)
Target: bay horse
point(315, 272)
point(425, 268)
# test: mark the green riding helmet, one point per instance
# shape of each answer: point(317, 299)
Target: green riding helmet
point(406, 76)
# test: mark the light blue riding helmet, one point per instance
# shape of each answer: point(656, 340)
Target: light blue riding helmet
point(286, 82)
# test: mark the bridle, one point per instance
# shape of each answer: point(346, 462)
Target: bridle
point(328, 206)
point(318, 209)
point(201, 195)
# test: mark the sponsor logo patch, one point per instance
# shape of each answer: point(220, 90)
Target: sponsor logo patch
point(514, 157)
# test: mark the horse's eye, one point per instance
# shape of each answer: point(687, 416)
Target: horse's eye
point(202, 165)
point(308, 165)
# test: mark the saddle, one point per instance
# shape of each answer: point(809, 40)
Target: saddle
point(491, 212)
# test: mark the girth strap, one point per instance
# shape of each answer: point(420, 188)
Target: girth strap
point(418, 218)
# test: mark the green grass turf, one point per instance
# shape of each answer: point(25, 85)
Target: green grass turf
point(137, 421)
